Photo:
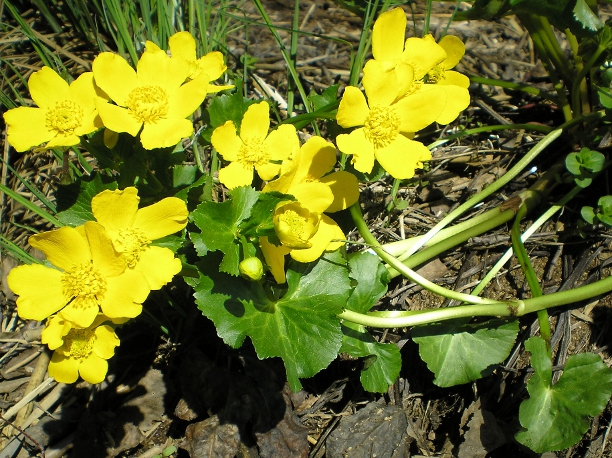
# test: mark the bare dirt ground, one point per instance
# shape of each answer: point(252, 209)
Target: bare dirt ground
point(205, 399)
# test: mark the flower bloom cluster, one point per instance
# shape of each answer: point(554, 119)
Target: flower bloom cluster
point(154, 100)
point(409, 85)
point(101, 274)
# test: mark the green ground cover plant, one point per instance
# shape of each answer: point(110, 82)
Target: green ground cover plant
point(269, 262)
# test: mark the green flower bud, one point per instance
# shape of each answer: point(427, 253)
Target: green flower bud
point(251, 269)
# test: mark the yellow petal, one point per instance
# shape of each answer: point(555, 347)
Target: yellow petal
point(40, 302)
point(114, 76)
point(256, 122)
point(47, 88)
point(82, 311)
point(281, 142)
point(124, 295)
point(388, 35)
point(362, 150)
point(105, 342)
point(328, 230)
point(110, 138)
point(315, 196)
point(64, 247)
point(316, 157)
point(213, 88)
point(267, 171)
point(457, 100)
point(116, 209)
point(118, 119)
point(182, 44)
point(105, 259)
point(158, 69)
point(353, 109)
point(294, 224)
point(89, 123)
point(163, 218)
point(455, 49)
point(455, 79)
point(83, 92)
point(158, 265)
point(420, 109)
point(422, 54)
point(27, 127)
point(55, 330)
point(93, 369)
point(212, 64)
point(275, 258)
point(188, 97)
point(402, 157)
point(344, 187)
point(63, 368)
point(63, 140)
point(225, 140)
point(165, 133)
point(235, 175)
point(152, 47)
point(337, 233)
point(381, 87)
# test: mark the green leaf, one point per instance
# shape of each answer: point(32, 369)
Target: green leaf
point(327, 97)
point(383, 361)
point(458, 352)
point(604, 215)
point(228, 107)
point(605, 98)
point(588, 214)
point(260, 222)
point(585, 16)
point(74, 200)
point(556, 416)
point(301, 327)
point(219, 223)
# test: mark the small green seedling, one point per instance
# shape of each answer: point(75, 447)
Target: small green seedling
point(584, 165)
point(602, 214)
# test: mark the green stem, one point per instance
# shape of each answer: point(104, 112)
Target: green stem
point(515, 87)
point(530, 275)
point(516, 308)
point(394, 189)
point(362, 227)
point(576, 87)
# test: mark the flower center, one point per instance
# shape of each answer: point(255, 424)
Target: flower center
point(252, 153)
point(148, 104)
point(132, 242)
point(293, 223)
point(382, 126)
point(80, 342)
point(436, 74)
point(64, 117)
point(83, 281)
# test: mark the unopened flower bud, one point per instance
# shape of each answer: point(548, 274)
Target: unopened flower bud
point(251, 268)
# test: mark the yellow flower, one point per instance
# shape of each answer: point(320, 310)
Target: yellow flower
point(90, 277)
point(387, 126)
point(84, 352)
point(65, 111)
point(294, 225)
point(303, 176)
point(417, 63)
point(254, 148)
point(132, 229)
point(153, 98)
point(183, 46)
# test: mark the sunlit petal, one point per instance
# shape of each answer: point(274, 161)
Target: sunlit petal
point(64, 247)
point(362, 150)
point(162, 218)
point(420, 109)
point(422, 54)
point(455, 49)
point(353, 109)
point(114, 76)
point(63, 368)
point(316, 157)
point(182, 44)
point(125, 295)
point(275, 258)
point(165, 133)
point(106, 341)
point(42, 301)
point(256, 122)
point(115, 209)
point(281, 142)
point(105, 259)
point(402, 157)
point(225, 140)
point(235, 174)
point(118, 119)
point(345, 188)
point(47, 88)
point(388, 35)
point(159, 266)
point(93, 369)
point(27, 127)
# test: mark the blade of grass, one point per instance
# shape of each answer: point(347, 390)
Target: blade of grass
point(16, 251)
point(33, 189)
point(30, 206)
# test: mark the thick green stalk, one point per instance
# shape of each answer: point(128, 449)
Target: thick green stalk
point(577, 91)
point(530, 275)
point(362, 227)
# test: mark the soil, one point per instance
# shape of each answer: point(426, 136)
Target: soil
point(188, 394)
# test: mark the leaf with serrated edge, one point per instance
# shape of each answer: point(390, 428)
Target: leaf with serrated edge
point(302, 327)
point(219, 223)
point(383, 361)
point(555, 417)
point(458, 352)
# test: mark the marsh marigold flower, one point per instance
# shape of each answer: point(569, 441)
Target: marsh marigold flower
point(83, 351)
point(90, 276)
point(418, 64)
point(152, 98)
point(306, 234)
point(183, 46)
point(132, 230)
point(254, 148)
point(387, 126)
point(64, 113)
